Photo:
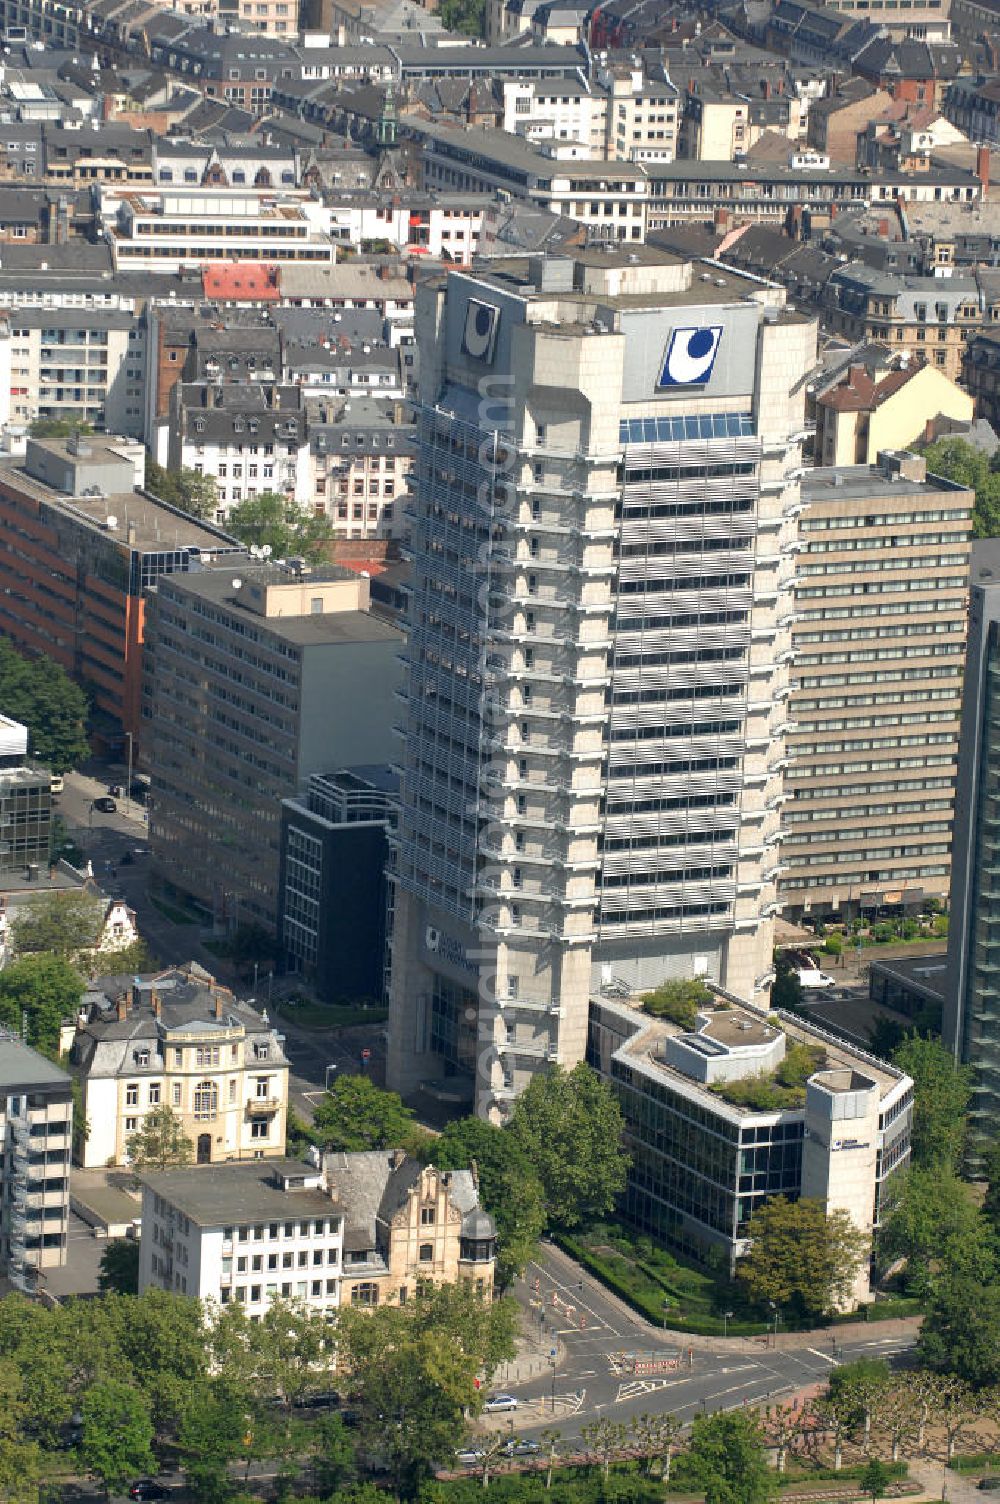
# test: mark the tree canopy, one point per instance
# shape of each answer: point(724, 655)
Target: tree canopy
point(932, 1222)
point(355, 1115)
point(960, 461)
point(160, 1142)
point(62, 924)
point(727, 1458)
point(941, 1091)
point(183, 488)
point(42, 696)
point(570, 1126)
point(960, 1333)
point(509, 1188)
point(678, 1000)
point(276, 522)
point(800, 1257)
point(46, 990)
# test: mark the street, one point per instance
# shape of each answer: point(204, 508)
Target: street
point(590, 1378)
point(105, 839)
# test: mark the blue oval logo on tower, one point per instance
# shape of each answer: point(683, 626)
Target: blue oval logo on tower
point(690, 356)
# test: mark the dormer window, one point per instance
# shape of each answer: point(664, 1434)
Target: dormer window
point(142, 1057)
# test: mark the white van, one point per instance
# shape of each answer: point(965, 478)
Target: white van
point(812, 977)
point(56, 784)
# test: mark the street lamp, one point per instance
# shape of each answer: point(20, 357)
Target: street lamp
point(777, 1318)
point(326, 1079)
point(727, 1316)
point(666, 1309)
point(552, 1365)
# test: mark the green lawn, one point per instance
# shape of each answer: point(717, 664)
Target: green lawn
point(646, 1275)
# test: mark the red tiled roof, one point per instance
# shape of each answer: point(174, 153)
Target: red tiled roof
point(238, 280)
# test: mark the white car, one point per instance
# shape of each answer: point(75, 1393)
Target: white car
point(495, 1402)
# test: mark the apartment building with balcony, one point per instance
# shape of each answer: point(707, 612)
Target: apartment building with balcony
point(593, 764)
point(258, 677)
point(36, 1136)
point(881, 595)
point(177, 1039)
point(347, 1229)
point(73, 363)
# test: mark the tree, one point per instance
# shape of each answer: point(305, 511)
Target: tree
point(160, 1143)
point(20, 1460)
point(414, 1368)
point(212, 1434)
point(783, 1425)
point(961, 1331)
point(37, 692)
point(183, 488)
point(786, 990)
point(657, 1437)
point(860, 1386)
point(465, 16)
point(874, 1479)
point(800, 1256)
point(727, 1459)
point(570, 1126)
point(678, 1000)
point(119, 1267)
point(117, 1433)
point(932, 1222)
point(941, 1091)
point(355, 1115)
point(62, 924)
point(46, 990)
point(607, 1439)
point(509, 1189)
point(162, 1341)
point(333, 1460)
point(959, 461)
point(898, 1414)
point(835, 1413)
point(279, 523)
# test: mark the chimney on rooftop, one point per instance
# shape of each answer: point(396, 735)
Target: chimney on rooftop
point(154, 999)
point(217, 999)
point(983, 170)
point(122, 1008)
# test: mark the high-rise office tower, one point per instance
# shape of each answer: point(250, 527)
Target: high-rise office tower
point(972, 980)
point(602, 533)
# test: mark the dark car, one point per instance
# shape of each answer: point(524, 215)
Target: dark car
point(105, 805)
point(989, 1485)
point(147, 1490)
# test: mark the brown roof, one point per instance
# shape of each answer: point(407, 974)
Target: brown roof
point(857, 392)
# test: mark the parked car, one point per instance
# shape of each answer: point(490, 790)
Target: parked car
point(989, 1485)
point(115, 790)
point(813, 977)
point(105, 805)
point(521, 1447)
point(56, 784)
point(147, 1490)
point(495, 1402)
point(467, 1456)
